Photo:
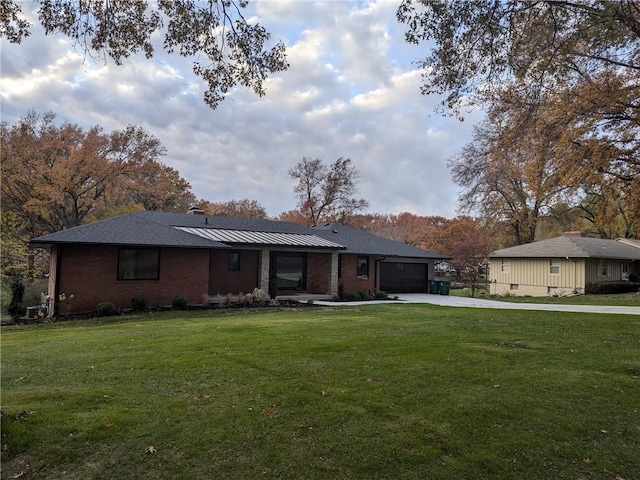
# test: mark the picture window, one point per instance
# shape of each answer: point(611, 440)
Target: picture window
point(138, 264)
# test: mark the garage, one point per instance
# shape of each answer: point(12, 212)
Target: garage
point(397, 277)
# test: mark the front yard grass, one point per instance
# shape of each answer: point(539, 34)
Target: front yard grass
point(620, 299)
point(378, 391)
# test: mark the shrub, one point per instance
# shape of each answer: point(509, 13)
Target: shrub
point(106, 309)
point(259, 296)
point(600, 288)
point(352, 297)
point(139, 303)
point(179, 302)
point(341, 291)
point(634, 277)
point(17, 309)
point(380, 295)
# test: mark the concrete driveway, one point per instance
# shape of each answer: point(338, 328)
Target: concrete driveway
point(455, 301)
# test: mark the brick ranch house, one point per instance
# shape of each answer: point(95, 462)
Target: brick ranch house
point(160, 255)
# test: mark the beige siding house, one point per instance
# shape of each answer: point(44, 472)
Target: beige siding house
point(561, 266)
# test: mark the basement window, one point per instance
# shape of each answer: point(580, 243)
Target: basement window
point(513, 286)
point(138, 264)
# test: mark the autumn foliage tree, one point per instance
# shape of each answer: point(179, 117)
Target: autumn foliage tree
point(227, 49)
point(464, 242)
point(534, 157)
point(56, 177)
point(560, 82)
point(243, 208)
point(405, 227)
point(476, 47)
point(327, 193)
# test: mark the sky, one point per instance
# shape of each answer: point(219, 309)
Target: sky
point(352, 90)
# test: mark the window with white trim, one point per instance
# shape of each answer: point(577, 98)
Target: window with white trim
point(505, 266)
point(554, 266)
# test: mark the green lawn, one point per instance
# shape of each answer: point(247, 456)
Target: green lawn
point(621, 299)
point(378, 391)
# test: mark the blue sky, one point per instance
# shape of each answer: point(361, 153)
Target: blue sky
point(352, 91)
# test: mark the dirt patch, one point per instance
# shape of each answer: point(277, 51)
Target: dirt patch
point(17, 467)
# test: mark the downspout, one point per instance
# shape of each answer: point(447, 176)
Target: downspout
point(575, 276)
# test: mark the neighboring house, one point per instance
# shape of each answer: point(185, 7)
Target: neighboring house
point(160, 255)
point(562, 265)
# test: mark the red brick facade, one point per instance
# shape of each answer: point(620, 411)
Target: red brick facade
point(349, 277)
point(90, 274)
point(319, 273)
point(222, 280)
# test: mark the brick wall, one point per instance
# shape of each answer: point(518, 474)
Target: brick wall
point(348, 274)
point(90, 274)
point(223, 281)
point(319, 273)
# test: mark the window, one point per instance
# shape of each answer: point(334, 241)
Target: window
point(513, 286)
point(603, 268)
point(554, 267)
point(234, 261)
point(362, 267)
point(290, 270)
point(138, 264)
point(553, 291)
point(625, 271)
point(505, 267)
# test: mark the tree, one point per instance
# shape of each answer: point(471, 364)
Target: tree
point(463, 241)
point(404, 227)
point(228, 49)
point(476, 47)
point(234, 208)
point(58, 177)
point(510, 171)
point(327, 193)
point(569, 69)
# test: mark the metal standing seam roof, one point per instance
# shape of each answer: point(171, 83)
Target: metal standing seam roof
point(261, 238)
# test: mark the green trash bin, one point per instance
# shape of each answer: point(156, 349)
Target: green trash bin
point(434, 286)
point(444, 287)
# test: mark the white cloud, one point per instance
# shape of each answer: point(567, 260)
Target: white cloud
point(350, 92)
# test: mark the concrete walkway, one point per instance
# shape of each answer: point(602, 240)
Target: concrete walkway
point(455, 301)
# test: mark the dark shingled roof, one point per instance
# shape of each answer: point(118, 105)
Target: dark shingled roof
point(571, 247)
point(359, 242)
point(148, 228)
point(167, 230)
